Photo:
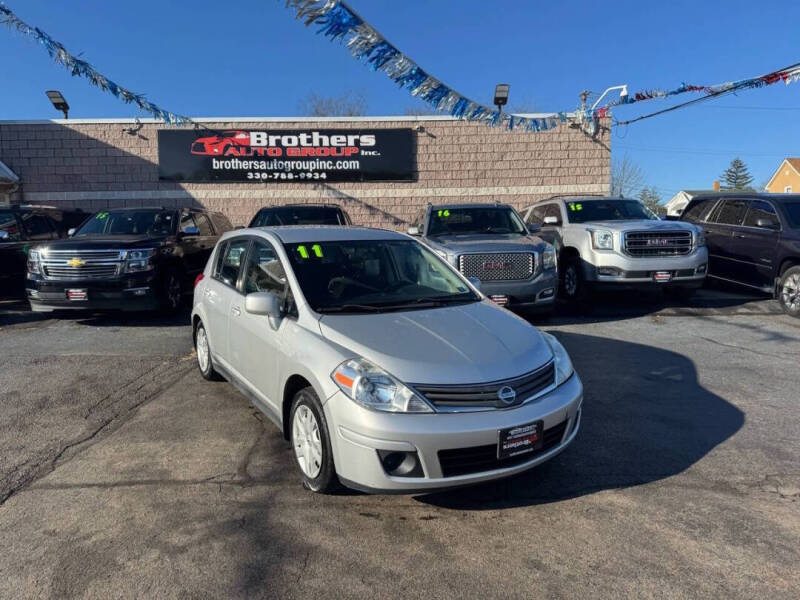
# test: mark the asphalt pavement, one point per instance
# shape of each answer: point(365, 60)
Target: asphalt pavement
point(125, 474)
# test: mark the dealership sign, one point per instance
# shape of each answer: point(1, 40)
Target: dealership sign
point(286, 155)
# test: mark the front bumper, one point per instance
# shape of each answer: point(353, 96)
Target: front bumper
point(539, 292)
point(133, 292)
point(613, 270)
point(357, 434)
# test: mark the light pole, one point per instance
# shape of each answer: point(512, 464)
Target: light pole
point(59, 102)
point(501, 96)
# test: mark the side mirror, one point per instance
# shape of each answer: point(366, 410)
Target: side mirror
point(533, 227)
point(766, 223)
point(190, 231)
point(476, 283)
point(3, 235)
point(551, 221)
point(263, 303)
point(414, 231)
point(71, 231)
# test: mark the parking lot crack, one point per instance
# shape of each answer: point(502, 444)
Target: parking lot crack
point(245, 479)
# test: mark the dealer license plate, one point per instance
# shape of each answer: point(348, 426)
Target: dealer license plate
point(662, 276)
point(77, 295)
point(520, 439)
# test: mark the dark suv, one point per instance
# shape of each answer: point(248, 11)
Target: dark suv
point(128, 259)
point(301, 214)
point(753, 240)
point(22, 226)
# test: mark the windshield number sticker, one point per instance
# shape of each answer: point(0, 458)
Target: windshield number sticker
point(443, 213)
point(101, 215)
point(574, 206)
point(316, 249)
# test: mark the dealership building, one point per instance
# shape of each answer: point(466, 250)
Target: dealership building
point(382, 170)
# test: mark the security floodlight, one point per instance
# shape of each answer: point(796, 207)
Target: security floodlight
point(501, 95)
point(59, 102)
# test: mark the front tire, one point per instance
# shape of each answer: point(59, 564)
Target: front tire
point(789, 292)
point(311, 443)
point(573, 286)
point(203, 351)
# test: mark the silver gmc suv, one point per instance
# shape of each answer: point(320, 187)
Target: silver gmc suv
point(616, 243)
point(491, 244)
point(381, 364)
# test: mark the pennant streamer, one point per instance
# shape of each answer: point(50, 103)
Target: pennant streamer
point(82, 68)
point(339, 22)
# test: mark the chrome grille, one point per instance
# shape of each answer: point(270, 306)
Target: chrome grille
point(66, 264)
point(485, 395)
point(497, 266)
point(657, 243)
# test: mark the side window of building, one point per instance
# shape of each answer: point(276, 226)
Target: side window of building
point(37, 226)
point(203, 224)
point(731, 213)
point(761, 214)
point(230, 261)
point(9, 224)
point(698, 211)
point(264, 271)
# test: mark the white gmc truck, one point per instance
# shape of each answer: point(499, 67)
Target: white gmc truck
point(618, 243)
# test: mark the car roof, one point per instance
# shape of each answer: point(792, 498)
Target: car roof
point(300, 205)
point(291, 234)
point(747, 195)
point(457, 205)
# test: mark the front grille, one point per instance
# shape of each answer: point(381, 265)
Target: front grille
point(486, 394)
point(81, 264)
point(657, 243)
point(498, 266)
point(464, 461)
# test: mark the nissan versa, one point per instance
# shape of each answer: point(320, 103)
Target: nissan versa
point(384, 367)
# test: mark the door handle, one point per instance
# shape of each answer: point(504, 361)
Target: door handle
point(236, 311)
point(740, 236)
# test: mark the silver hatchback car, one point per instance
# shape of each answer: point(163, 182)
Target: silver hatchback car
point(384, 367)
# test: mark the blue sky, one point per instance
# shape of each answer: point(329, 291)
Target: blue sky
point(248, 58)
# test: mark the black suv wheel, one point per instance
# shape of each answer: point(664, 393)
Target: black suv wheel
point(789, 291)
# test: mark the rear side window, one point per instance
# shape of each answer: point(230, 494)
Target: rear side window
point(264, 218)
point(264, 271)
point(203, 224)
point(732, 212)
point(229, 261)
point(221, 223)
point(760, 211)
point(38, 226)
point(698, 211)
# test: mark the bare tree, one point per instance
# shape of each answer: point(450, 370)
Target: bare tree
point(627, 178)
point(421, 110)
point(349, 104)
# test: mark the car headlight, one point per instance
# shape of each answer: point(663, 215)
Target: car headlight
point(34, 266)
point(699, 237)
point(139, 260)
point(372, 387)
point(602, 239)
point(563, 364)
point(549, 257)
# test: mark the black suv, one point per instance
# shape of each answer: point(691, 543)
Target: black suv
point(129, 259)
point(301, 214)
point(753, 240)
point(23, 226)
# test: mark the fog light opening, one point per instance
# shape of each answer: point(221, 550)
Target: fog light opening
point(547, 293)
point(701, 269)
point(608, 271)
point(400, 464)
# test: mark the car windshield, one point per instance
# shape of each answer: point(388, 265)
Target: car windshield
point(374, 276)
point(129, 222)
point(303, 215)
point(585, 211)
point(793, 213)
point(475, 221)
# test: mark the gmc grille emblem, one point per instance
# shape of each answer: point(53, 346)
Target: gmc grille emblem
point(495, 265)
point(658, 242)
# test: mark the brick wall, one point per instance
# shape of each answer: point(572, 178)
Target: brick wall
point(104, 163)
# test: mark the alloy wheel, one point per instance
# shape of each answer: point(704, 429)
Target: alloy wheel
point(307, 441)
point(790, 292)
point(202, 349)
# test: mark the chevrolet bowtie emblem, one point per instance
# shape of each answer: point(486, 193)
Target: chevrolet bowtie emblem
point(76, 262)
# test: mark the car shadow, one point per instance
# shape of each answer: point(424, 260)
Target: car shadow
point(18, 313)
point(645, 418)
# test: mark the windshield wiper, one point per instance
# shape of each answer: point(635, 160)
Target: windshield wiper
point(349, 308)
